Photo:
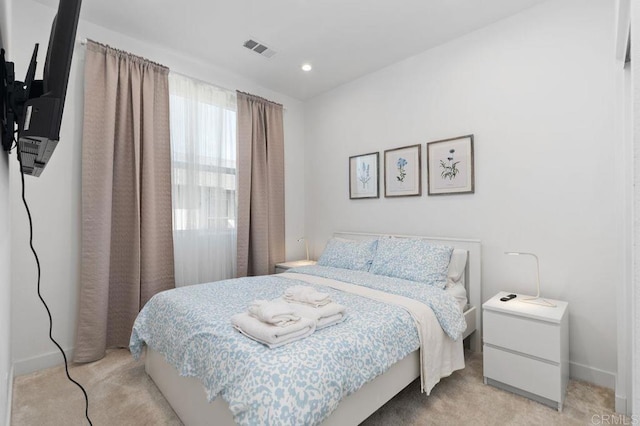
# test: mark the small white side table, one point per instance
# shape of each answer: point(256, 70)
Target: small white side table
point(284, 266)
point(526, 348)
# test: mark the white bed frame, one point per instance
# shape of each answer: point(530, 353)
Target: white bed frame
point(187, 397)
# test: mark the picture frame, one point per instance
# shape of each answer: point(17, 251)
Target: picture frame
point(364, 176)
point(450, 166)
point(403, 171)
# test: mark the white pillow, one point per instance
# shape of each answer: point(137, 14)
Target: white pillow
point(458, 291)
point(457, 266)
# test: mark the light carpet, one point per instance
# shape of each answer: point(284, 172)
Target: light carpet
point(120, 393)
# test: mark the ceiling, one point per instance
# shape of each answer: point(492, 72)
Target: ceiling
point(342, 39)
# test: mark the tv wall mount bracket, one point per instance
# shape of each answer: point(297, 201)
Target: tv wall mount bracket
point(14, 94)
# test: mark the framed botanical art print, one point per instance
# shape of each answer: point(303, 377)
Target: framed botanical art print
point(450, 166)
point(402, 172)
point(364, 176)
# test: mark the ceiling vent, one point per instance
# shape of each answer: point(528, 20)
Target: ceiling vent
point(259, 48)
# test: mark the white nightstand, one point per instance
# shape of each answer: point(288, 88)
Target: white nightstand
point(282, 267)
point(526, 348)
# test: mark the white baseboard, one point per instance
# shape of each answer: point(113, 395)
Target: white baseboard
point(40, 362)
point(593, 375)
point(9, 397)
point(621, 405)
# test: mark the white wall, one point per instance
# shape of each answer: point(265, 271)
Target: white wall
point(537, 91)
point(55, 196)
point(6, 374)
point(624, 128)
point(635, 289)
point(5, 286)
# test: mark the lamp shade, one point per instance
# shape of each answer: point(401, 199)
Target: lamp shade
point(306, 245)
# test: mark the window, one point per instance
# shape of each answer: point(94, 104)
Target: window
point(203, 153)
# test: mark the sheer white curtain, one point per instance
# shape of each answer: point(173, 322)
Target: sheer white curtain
point(203, 155)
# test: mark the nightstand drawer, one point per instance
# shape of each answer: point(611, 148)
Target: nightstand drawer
point(533, 337)
point(528, 374)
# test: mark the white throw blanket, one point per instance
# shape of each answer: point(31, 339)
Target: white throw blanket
point(439, 355)
point(325, 316)
point(307, 295)
point(276, 312)
point(272, 335)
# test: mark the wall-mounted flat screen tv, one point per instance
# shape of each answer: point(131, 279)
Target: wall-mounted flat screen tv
point(32, 109)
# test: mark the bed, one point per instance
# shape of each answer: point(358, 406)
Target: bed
point(191, 402)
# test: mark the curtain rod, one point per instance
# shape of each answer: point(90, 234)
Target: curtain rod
point(128, 54)
point(251, 95)
point(204, 82)
point(83, 42)
point(225, 88)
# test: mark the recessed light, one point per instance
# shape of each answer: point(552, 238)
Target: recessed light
point(306, 67)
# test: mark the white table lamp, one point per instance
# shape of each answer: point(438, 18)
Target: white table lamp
point(306, 245)
point(535, 300)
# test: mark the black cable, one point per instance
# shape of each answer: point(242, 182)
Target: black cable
point(35, 255)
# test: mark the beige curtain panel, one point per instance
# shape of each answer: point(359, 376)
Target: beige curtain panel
point(260, 186)
point(127, 247)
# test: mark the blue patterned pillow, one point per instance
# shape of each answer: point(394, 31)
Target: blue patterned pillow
point(411, 259)
point(347, 254)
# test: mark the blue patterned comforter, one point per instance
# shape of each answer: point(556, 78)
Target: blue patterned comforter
point(299, 383)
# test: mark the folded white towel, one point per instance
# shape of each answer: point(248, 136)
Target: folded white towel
point(329, 321)
point(306, 295)
point(276, 312)
point(329, 314)
point(272, 335)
